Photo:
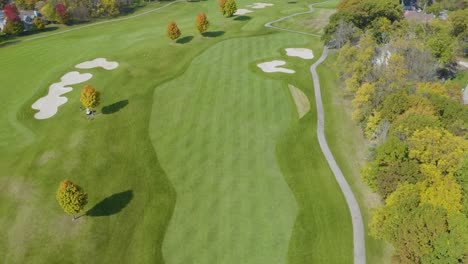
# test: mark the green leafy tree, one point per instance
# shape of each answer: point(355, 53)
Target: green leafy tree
point(38, 23)
point(49, 11)
point(173, 31)
point(410, 226)
point(89, 97)
point(389, 177)
point(394, 105)
point(459, 22)
point(406, 124)
point(71, 197)
point(230, 8)
point(13, 27)
point(202, 23)
point(461, 174)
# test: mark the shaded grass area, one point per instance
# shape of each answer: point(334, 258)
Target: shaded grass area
point(348, 146)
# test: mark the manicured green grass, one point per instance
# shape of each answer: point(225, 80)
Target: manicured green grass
point(203, 162)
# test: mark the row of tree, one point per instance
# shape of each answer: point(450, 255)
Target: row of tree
point(413, 116)
point(201, 24)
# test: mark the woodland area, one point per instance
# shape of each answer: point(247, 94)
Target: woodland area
point(400, 76)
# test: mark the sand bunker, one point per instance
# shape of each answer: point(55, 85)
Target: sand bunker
point(99, 62)
point(48, 105)
point(241, 12)
point(272, 66)
point(301, 101)
point(464, 64)
point(300, 52)
point(260, 5)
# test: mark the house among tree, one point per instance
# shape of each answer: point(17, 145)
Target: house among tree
point(2, 20)
point(27, 16)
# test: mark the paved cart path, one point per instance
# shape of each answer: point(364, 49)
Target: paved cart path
point(356, 217)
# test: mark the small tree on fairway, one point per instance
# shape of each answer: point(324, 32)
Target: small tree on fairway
point(230, 8)
point(173, 32)
point(89, 97)
point(202, 23)
point(71, 197)
point(221, 4)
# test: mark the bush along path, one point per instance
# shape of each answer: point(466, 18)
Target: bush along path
point(359, 245)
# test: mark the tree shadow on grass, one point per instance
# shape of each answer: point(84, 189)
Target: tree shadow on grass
point(242, 18)
point(184, 40)
point(115, 107)
point(213, 34)
point(111, 205)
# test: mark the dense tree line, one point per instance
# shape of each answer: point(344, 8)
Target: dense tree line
point(399, 76)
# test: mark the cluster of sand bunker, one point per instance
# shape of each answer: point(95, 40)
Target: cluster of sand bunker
point(272, 66)
point(49, 104)
point(242, 11)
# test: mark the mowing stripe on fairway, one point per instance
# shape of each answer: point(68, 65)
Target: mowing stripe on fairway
point(215, 131)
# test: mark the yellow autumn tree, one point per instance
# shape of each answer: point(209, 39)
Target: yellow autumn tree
point(438, 147)
point(71, 197)
point(372, 125)
point(440, 190)
point(362, 102)
point(89, 97)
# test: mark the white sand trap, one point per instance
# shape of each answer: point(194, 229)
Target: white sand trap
point(301, 100)
point(272, 66)
point(48, 105)
point(99, 62)
point(261, 5)
point(463, 63)
point(241, 12)
point(306, 54)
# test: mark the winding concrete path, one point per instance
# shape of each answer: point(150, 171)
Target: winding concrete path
point(359, 243)
point(311, 10)
point(356, 217)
